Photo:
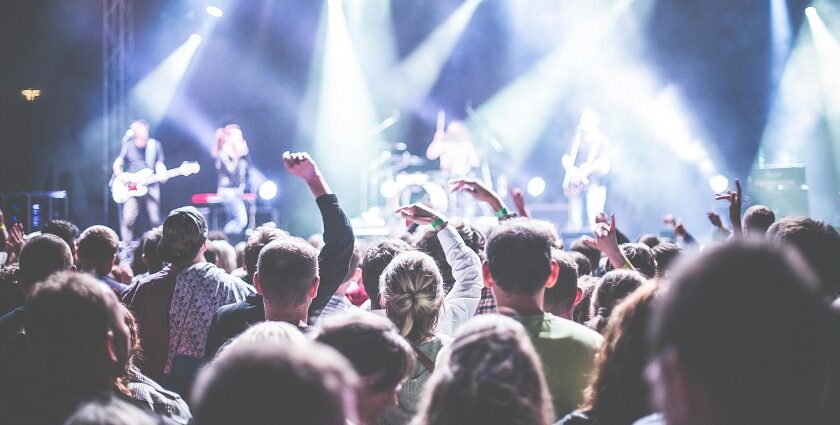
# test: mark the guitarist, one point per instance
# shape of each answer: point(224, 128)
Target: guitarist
point(586, 165)
point(139, 151)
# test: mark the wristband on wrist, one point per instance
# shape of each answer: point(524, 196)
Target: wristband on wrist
point(502, 213)
point(437, 223)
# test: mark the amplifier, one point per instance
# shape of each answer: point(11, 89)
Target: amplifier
point(782, 188)
point(33, 209)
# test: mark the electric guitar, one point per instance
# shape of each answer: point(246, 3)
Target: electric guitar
point(130, 185)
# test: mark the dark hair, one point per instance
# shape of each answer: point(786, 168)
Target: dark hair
point(770, 363)
point(67, 319)
point(757, 219)
point(261, 237)
point(640, 256)
point(211, 254)
point(286, 269)
point(41, 256)
point(649, 239)
point(665, 254)
point(613, 287)
point(490, 375)
point(377, 257)
point(561, 296)
point(519, 256)
point(355, 260)
point(592, 254)
point(67, 231)
point(582, 313)
point(381, 357)
point(818, 243)
point(430, 244)
point(618, 393)
point(583, 265)
point(272, 382)
point(150, 242)
point(97, 247)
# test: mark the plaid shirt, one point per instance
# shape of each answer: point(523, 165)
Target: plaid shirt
point(487, 304)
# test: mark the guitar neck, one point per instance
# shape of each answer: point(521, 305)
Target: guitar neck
point(156, 178)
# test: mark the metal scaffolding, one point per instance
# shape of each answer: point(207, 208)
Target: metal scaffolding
point(117, 44)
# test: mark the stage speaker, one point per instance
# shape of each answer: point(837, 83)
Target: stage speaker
point(782, 188)
point(33, 209)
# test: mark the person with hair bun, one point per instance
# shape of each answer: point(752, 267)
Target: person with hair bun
point(411, 291)
point(491, 375)
point(613, 287)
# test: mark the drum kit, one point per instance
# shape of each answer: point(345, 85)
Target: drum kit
point(397, 177)
point(400, 178)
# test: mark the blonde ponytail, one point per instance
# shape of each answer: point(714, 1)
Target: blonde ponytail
point(411, 286)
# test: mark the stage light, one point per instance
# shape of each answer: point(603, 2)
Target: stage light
point(341, 106)
point(214, 11)
point(536, 186)
point(388, 189)
point(268, 190)
point(195, 39)
point(30, 94)
point(718, 183)
point(811, 12)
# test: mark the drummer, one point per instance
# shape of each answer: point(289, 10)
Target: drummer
point(455, 149)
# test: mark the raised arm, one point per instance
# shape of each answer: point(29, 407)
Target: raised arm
point(605, 239)
point(734, 199)
point(479, 190)
point(463, 299)
point(334, 259)
point(519, 201)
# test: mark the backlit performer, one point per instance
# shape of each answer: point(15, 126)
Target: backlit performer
point(232, 164)
point(586, 165)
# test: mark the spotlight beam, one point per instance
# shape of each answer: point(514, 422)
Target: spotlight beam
point(828, 60)
point(152, 96)
point(417, 73)
point(518, 126)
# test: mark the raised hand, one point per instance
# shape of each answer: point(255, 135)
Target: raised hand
point(734, 199)
point(676, 224)
point(302, 165)
point(519, 201)
point(601, 217)
point(605, 239)
point(15, 241)
point(714, 218)
point(479, 190)
point(418, 213)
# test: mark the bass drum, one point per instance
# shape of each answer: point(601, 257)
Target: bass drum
point(419, 187)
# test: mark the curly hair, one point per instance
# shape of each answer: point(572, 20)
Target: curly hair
point(491, 375)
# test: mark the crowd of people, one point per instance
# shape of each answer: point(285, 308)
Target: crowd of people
point(450, 324)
